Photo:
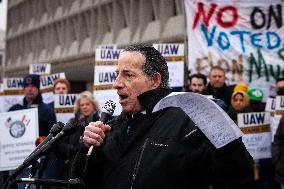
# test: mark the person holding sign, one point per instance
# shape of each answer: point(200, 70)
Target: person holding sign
point(240, 101)
point(60, 86)
point(33, 99)
point(145, 149)
point(87, 110)
point(277, 153)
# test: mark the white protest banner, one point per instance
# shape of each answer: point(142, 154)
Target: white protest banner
point(216, 125)
point(46, 85)
point(243, 37)
point(105, 75)
point(13, 92)
point(64, 105)
point(174, 55)
point(18, 131)
point(40, 69)
point(257, 133)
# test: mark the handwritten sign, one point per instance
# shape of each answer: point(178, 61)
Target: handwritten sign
point(208, 117)
point(244, 38)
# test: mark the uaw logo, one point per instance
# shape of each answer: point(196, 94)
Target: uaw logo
point(17, 128)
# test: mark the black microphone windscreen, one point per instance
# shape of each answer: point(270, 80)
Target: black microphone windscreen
point(56, 128)
point(70, 127)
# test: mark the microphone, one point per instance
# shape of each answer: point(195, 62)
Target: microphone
point(56, 128)
point(107, 111)
point(68, 129)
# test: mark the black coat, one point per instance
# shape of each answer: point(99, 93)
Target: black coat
point(46, 117)
point(278, 153)
point(157, 153)
point(224, 93)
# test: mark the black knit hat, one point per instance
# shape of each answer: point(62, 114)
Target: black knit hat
point(32, 79)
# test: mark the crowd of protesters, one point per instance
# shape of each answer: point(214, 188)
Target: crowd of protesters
point(234, 99)
point(240, 98)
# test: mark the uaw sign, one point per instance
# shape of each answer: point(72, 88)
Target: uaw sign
point(46, 85)
point(257, 133)
point(174, 55)
point(105, 75)
point(40, 69)
point(18, 133)
point(64, 105)
point(12, 92)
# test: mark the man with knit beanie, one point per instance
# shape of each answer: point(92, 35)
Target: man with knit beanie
point(33, 99)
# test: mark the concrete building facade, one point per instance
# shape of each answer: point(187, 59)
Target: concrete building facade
point(2, 54)
point(66, 33)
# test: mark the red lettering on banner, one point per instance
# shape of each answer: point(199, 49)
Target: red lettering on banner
point(227, 24)
point(200, 12)
point(220, 15)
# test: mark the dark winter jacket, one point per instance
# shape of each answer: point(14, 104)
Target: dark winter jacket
point(68, 148)
point(233, 114)
point(278, 153)
point(224, 93)
point(46, 116)
point(162, 150)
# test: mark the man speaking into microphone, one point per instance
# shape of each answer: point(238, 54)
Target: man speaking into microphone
point(163, 149)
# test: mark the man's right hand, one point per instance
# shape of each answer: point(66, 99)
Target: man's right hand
point(95, 133)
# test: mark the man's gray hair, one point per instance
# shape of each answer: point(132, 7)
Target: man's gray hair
point(154, 62)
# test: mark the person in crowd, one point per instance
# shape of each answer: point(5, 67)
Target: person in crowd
point(280, 86)
point(197, 83)
point(277, 153)
point(217, 86)
point(240, 101)
point(164, 149)
point(255, 96)
point(60, 86)
point(33, 99)
point(54, 166)
point(86, 110)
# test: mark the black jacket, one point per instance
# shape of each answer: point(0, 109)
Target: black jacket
point(46, 117)
point(278, 153)
point(157, 153)
point(224, 93)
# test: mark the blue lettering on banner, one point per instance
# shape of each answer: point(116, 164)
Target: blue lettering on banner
point(107, 77)
point(269, 40)
point(15, 83)
point(109, 54)
point(39, 68)
point(168, 49)
point(67, 100)
point(253, 118)
point(48, 81)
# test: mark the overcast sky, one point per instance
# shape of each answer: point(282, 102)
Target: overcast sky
point(3, 14)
